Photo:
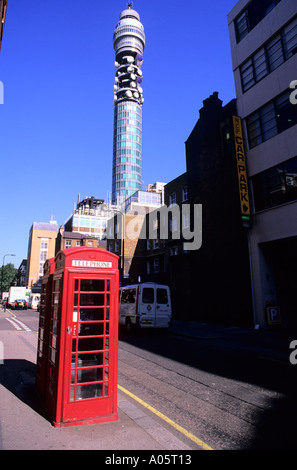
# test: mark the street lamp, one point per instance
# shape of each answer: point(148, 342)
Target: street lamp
point(2, 273)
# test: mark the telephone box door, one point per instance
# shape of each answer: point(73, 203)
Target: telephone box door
point(90, 374)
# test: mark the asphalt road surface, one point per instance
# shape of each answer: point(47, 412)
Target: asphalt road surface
point(212, 393)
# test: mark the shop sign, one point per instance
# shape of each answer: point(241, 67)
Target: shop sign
point(241, 171)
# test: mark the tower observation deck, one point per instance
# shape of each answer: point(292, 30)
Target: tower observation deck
point(128, 43)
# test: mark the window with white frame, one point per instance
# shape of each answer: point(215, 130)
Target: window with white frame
point(172, 199)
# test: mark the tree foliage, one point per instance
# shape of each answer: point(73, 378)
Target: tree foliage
point(8, 273)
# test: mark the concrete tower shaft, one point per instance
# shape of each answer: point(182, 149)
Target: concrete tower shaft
point(129, 44)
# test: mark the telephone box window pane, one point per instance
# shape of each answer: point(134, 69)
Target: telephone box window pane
point(107, 314)
point(106, 390)
point(92, 285)
point(91, 329)
point(89, 391)
point(76, 285)
point(91, 314)
point(73, 361)
point(90, 344)
point(75, 303)
point(72, 394)
point(54, 341)
point(89, 375)
point(53, 356)
point(73, 345)
point(106, 358)
point(108, 285)
point(85, 360)
point(92, 299)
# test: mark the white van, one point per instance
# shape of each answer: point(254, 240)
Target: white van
point(146, 305)
point(33, 301)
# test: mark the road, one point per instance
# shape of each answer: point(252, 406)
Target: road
point(208, 393)
point(230, 398)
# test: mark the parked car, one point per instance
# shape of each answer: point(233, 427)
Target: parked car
point(20, 304)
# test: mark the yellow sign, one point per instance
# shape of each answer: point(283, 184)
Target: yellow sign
point(241, 169)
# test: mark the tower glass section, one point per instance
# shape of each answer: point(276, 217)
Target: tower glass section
point(129, 43)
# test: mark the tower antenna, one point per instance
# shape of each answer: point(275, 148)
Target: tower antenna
point(130, 5)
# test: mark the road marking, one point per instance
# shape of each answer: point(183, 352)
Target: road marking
point(168, 420)
point(25, 327)
point(15, 325)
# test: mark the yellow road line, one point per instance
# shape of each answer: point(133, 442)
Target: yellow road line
point(11, 313)
point(168, 420)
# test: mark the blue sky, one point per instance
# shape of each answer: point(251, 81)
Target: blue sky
point(56, 123)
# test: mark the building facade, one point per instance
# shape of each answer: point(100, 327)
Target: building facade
point(209, 273)
point(41, 246)
point(263, 38)
point(90, 217)
point(126, 231)
point(67, 240)
point(129, 43)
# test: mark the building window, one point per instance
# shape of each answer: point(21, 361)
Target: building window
point(271, 119)
point(42, 255)
point(186, 220)
point(242, 26)
point(269, 57)
point(252, 15)
point(275, 186)
point(68, 244)
point(156, 265)
point(172, 199)
point(78, 243)
point(185, 194)
point(173, 251)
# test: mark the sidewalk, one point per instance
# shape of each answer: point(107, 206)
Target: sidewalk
point(273, 343)
point(23, 427)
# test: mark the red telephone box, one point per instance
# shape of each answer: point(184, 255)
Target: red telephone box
point(83, 338)
point(43, 329)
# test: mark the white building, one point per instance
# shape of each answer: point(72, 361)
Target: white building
point(263, 37)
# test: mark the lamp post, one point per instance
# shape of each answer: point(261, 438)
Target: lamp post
point(2, 273)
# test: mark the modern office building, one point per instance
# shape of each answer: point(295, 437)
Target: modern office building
point(41, 246)
point(263, 37)
point(90, 217)
point(128, 43)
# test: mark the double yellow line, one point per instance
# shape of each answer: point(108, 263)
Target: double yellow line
point(168, 420)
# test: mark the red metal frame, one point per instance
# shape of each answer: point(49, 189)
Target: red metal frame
point(43, 328)
point(83, 338)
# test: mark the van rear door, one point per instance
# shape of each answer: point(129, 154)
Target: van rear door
point(163, 307)
point(147, 307)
